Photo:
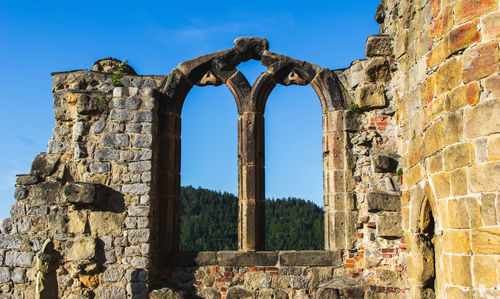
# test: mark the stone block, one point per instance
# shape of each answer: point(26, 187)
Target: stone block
point(484, 177)
point(138, 236)
point(483, 240)
point(413, 175)
point(461, 270)
point(459, 155)
point(112, 274)
point(456, 241)
point(115, 140)
point(464, 36)
point(20, 193)
point(44, 164)
point(482, 120)
point(81, 249)
point(106, 223)
point(494, 148)
point(458, 181)
point(462, 96)
point(389, 226)
point(466, 10)
point(383, 201)
point(448, 75)
point(435, 163)
point(26, 179)
point(18, 259)
point(121, 115)
point(378, 45)
point(377, 70)
point(458, 217)
point(443, 23)
point(107, 155)
point(474, 211)
point(98, 127)
point(452, 128)
point(19, 275)
point(191, 258)
point(82, 193)
point(310, 258)
point(136, 188)
point(4, 274)
point(491, 26)
point(485, 270)
point(239, 293)
point(370, 96)
point(439, 53)
point(488, 209)
point(458, 293)
point(480, 61)
point(45, 193)
point(143, 141)
point(77, 222)
point(10, 241)
point(383, 163)
point(433, 140)
point(241, 258)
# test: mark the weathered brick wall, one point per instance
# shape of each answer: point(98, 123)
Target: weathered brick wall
point(446, 91)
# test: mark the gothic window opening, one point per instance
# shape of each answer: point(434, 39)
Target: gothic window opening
point(208, 206)
point(294, 170)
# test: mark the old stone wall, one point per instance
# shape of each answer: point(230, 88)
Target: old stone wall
point(82, 221)
point(446, 96)
point(378, 255)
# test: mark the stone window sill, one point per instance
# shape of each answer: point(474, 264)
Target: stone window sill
point(255, 258)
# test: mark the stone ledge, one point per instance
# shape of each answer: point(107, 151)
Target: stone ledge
point(254, 258)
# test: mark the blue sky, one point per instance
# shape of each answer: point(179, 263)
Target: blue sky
point(39, 37)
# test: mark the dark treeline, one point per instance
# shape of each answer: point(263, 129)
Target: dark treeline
point(209, 221)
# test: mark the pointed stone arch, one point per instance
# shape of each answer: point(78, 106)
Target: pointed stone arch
point(221, 68)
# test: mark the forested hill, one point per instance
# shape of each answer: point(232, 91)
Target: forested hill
point(209, 221)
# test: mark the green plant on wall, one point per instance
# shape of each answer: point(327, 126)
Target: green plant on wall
point(355, 108)
point(117, 74)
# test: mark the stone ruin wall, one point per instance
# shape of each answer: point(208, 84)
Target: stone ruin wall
point(446, 94)
point(421, 108)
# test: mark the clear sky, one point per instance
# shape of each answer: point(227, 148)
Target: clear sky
point(39, 37)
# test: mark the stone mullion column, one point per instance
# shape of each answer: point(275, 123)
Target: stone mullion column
point(169, 187)
point(251, 216)
point(340, 214)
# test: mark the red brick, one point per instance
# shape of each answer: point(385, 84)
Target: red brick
point(491, 26)
point(259, 268)
point(353, 274)
point(360, 235)
point(349, 265)
point(359, 225)
point(480, 61)
point(371, 224)
point(464, 36)
point(386, 255)
point(349, 261)
point(251, 269)
point(380, 288)
point(466, 10)
point(389, 289)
